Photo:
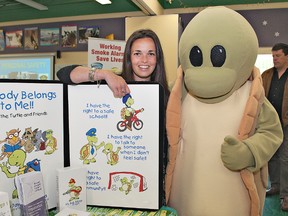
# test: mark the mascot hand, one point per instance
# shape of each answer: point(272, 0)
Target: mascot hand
point(235, 154)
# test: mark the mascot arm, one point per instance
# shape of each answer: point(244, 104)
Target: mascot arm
point(255, 151)
point(267, 138)
point(235, 154)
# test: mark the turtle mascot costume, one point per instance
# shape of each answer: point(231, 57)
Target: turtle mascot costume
point(222, 130)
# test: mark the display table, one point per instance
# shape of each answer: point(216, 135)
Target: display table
point(97, 211)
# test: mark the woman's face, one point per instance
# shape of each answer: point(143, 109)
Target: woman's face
point(143, 59)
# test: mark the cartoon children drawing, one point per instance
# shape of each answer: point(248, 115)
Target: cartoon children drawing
point(128, 114)
point(89, 151)
point(73, 191)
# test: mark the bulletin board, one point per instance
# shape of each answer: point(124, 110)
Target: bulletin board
point(125, 164)
point(31, 134)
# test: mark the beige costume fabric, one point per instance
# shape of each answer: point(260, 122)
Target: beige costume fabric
point(215, 171)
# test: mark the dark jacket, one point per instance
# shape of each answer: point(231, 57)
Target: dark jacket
point(64, 74)
point(267, 78)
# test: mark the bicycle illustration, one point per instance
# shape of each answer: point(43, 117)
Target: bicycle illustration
point(136, 122)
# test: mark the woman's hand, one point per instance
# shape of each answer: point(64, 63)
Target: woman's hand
point(116, 83)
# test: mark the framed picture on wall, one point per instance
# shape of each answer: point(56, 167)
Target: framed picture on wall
point(14, 39)
point(49, 36)
point(69, 36)
point(31, 38)
point(88, 31)
point(2, 40)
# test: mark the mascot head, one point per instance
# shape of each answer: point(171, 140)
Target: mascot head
point(217, 51)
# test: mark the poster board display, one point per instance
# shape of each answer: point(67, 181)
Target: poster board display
point(123, 155)
point(31, 135)
point(106, 54)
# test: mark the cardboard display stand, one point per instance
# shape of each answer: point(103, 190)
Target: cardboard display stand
point(124, 162)
point(31, 135)
point(46, 125)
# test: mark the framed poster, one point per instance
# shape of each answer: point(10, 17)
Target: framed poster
point(49, 36)
point(31, 38)
point(31, 135)
point(2, 40)
point(120, 141)
point(88, 31)
point(14, 39)
point(69, 36)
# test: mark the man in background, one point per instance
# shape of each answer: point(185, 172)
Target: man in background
point(275, 84)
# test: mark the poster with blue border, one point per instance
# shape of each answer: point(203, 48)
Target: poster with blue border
point(31, 135)
point(120, 141)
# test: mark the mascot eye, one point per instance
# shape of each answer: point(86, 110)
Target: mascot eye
point(196, 57)
point(218, 56)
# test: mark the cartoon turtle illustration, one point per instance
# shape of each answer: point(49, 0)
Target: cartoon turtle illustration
point(126, 185)
point(50, 142)
point(17, 159)
point(73, 191)
point(112, 156)
point(89, 151)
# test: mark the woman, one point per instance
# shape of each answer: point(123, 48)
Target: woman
point(143, 61)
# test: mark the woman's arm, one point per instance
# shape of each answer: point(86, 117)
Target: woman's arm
point(78, 74)
point(64, 74)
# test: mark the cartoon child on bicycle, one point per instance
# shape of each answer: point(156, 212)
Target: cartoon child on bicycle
point(128, 114)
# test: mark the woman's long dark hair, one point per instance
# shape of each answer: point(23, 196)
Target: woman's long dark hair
point(159, 73)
